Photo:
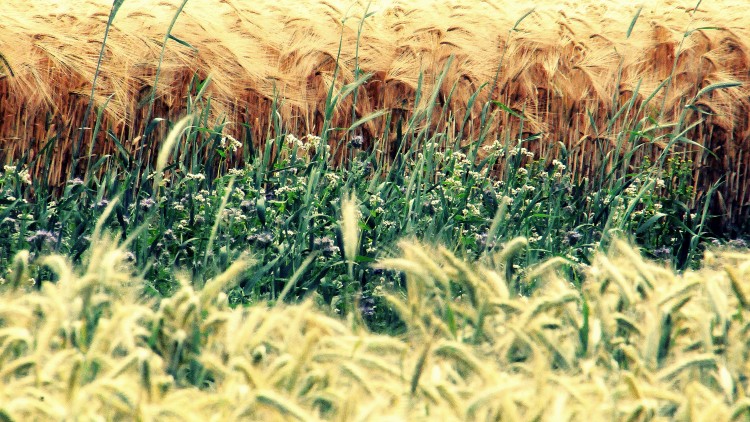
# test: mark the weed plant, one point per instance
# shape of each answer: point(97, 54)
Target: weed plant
point(282, 205)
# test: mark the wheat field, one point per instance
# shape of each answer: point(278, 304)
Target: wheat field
point(570, 67)
point(230, 232)
point(634, 342)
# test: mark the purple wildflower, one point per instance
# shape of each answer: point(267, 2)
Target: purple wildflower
point(482, 241)
point(325, 245)
point(365, 167)
point(147, 203)
point(357, 142)
point(42, 237)
point(100, 205)
point(663, 253)
point(572, 237)
point(737, 244)
point(367, 305)
point(263, 239)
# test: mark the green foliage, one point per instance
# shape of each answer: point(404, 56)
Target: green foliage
point(282, 205)
point(197, 207)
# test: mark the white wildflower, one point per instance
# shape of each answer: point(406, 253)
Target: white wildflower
point(25, 176)
point(292, 141)
point(313, 141)
point(195, 176)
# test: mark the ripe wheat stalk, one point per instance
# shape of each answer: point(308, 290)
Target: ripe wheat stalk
point(567, 68)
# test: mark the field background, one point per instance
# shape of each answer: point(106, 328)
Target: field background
point(282, 210)
point(568, 67)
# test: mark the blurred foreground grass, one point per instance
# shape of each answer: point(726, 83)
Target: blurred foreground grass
point(632, 341)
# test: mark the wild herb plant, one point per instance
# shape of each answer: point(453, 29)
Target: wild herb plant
point(282, 205)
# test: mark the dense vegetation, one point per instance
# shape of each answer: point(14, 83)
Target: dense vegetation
point(194, 283)
point(633, 342)
point(283, 206)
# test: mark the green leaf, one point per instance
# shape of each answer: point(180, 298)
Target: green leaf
point(650, 222)
point(183, 42)
point(507, 109)
point(366, 119)
point(364, 259)
point(6, 64)
point(714, 87)
point(524, 16)
point(347, 89)
point(632, 23)
point(450, 319)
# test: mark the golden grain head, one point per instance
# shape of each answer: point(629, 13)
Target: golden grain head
point(350, 230)
point(555, 64)
point(286, 362)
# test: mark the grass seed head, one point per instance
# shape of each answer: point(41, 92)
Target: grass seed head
point(350, 228)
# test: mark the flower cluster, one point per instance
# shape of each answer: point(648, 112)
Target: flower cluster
point(23, 175)
point(229, 143)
